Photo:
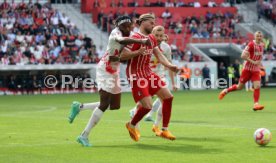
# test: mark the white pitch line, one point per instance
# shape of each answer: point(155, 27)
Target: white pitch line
point(121, 139)
point(49, 109)
point(52, 108)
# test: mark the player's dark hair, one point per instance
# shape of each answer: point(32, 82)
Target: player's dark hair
point(122, 19)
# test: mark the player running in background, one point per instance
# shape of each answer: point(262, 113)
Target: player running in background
point(146, 83)
point(160, 70)
point(252, 55)
point(108, 76)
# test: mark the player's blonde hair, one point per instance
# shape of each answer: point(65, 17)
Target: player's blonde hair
point(158, 28)
point(144, 17)
point(258, 32)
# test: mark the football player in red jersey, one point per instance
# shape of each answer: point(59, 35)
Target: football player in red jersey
point(252, 54)
point(144, 82)
point(159, 33)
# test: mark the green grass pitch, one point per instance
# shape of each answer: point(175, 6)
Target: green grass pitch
point(35, 129)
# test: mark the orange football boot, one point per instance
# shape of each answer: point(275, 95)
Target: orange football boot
point(167, 135)
point(156, 130)
point(258, 107)
point(222, 94)
point(132, 132)
point(138, 133)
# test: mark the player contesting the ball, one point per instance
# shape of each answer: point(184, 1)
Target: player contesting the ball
point(146, 83)
point(108, 76)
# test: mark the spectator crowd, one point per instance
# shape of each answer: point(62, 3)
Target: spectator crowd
point(267, 9)
point(32, 33)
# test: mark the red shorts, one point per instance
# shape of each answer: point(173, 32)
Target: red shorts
point(144, 87)
point(247, 75)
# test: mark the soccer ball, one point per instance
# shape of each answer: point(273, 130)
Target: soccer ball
point(262, 136)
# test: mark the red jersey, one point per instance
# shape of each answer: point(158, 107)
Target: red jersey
point(139, 66)
point(255, 53)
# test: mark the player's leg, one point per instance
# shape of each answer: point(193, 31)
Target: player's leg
point(105, 98)
point(245, 76)
point(159, 116)
point(115, 101)
point(251, 86)
point(76, 107)
point(144, 106)
point(140, 92)
point(115, 97)
point(256, 95)
point(155, 106)
point(89, 106)
point(133, 111)
point(165, 95)
point(233, 88)
point(247, 84)
point(102, 79)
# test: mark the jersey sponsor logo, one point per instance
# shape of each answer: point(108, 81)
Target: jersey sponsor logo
point(258, 53)
point(148, 52)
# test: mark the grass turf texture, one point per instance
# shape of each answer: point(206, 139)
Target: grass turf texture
point(35, 129)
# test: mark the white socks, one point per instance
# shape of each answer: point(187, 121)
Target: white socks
point(94, 119)
point(158, 116)
point(89, 106)
point(134, 110)
point(155, 106)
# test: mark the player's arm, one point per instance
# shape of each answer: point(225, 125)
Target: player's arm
point(128, 40)
point(172, 75)
point(245, 56)
point(168, 55)
point(163, 60)
point(127, 54)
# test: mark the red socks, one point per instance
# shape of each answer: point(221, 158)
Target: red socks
point(166, 111)
point(256, 95)
point(141, 112)
point(232, 88)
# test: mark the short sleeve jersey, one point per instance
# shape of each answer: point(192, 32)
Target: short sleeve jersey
point(255, 53)
point(113, 49)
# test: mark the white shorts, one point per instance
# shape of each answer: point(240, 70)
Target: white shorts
point(161, 75)
point(108, 82)
point(163, 78)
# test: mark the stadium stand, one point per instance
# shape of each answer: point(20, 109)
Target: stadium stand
point(182, 25)
point(37, 34)
point(267, 10)
point(32, 33)
point(214, 22)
